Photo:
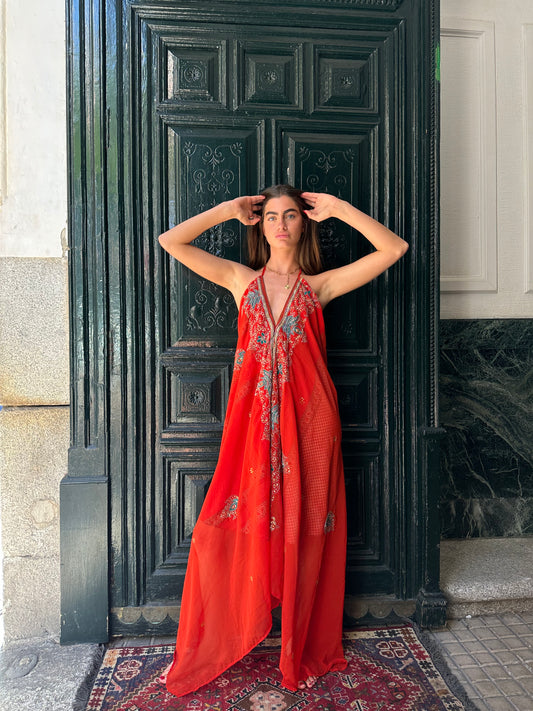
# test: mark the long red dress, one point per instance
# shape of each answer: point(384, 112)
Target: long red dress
point(272, 529)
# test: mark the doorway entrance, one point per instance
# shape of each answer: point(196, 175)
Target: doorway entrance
point(174, 108)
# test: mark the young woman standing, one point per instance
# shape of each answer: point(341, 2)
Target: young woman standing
point(272, 530)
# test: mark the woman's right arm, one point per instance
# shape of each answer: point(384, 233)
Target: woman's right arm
point(221, 271)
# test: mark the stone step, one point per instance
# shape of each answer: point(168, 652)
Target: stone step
point(486, 576)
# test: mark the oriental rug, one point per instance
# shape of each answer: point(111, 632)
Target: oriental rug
point(388, 669)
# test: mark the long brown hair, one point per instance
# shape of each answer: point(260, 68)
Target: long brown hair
point(308, 252)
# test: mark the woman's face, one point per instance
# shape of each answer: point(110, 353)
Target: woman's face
point(282, 222)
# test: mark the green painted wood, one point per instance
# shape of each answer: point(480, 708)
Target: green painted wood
point(84, 492)
point(84, 556)
point(176, 106)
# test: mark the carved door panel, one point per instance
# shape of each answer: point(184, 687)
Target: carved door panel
point(202, 103)
point(228, 109)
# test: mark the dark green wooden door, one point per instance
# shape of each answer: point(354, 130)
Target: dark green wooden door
point(204, 102)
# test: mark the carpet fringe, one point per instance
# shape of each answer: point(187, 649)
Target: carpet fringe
point(437, 657)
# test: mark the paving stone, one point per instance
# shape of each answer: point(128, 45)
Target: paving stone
point(463, 661)
point(495, 645)
point(475, 647)
point(507, 658)
point(485, 658)
point(39, 675)
point(515, 643)
point(500, 631)
point(527, 683)
point(520, 672)
point(510, 687)
point(456, 625)
point(526, 661)
point(527, 617)
point(476, 674)
point(523, 703)
point(454, 648)
point(487, 689)
point(476, 622)
point(500, 677)
point(511, 618)
point(496, 671)
point(501, 704)
point(465, 636)
point(485, 633)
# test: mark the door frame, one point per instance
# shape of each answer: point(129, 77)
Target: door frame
point(100, 209)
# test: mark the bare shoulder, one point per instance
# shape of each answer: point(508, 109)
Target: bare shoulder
point(244, 276)
point(318, 283)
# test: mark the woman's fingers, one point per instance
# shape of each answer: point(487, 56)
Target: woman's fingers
point(248, 209)
point(322, 205)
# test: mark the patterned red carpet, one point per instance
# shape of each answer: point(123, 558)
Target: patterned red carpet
point(388, 669)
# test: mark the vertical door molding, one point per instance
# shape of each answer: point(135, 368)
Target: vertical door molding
point(422, 347)
point(84, 491)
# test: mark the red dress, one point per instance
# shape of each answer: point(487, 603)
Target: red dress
point(272, 529)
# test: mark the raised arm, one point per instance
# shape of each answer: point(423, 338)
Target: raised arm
point(228, 274)
point(388, 247)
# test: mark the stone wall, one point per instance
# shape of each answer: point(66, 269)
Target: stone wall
point(34, 379)
point(34, 439)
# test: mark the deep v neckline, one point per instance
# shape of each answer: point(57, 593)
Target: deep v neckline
point(264, 294)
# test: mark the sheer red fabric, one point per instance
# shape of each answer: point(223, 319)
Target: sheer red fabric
point(272, 529)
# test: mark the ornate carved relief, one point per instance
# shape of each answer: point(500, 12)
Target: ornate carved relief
point(206, 167)
point(213, 170)
point(332, 243)
point(338, 163)
point(346, 81)
point(196, 72)
point(212, 308)
point(195, 394)
point(328, 162)
point(271, 74)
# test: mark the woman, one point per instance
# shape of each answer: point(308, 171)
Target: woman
point(272, 530)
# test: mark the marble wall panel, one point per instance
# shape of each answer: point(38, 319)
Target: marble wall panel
point(486, 402)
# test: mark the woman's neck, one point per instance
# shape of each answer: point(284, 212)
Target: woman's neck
point(283, 264)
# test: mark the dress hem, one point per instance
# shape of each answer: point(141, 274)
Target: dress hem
point(224, 669)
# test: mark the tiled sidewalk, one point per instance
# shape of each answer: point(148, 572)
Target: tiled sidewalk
point(492, 657)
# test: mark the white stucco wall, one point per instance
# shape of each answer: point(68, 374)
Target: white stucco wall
point(34, 387)
point(486, 159)
point(34, 200)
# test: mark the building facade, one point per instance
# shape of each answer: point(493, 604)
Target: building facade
point(486, 273)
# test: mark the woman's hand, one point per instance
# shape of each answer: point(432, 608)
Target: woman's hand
point(323, 206)
point(246, 209)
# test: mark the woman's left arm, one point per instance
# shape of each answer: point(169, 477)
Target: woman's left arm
point(389, 247)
